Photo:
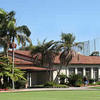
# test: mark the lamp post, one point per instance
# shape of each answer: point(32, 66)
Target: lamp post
point(13, 45)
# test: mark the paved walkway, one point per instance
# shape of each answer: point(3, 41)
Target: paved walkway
point(51, 89)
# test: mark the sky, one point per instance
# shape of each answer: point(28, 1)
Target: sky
point(47, 19)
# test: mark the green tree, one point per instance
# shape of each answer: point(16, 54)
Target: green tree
point(66, 48)
point(44, 54)
point(9, 31)
point(4, 34)
point(6, 72)
point(67, 44)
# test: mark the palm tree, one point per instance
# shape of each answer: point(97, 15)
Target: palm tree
point(9, 31)
point(67, 44)
point(5, 17)
point(21, 33)
point(44, 54)
point(66, 47)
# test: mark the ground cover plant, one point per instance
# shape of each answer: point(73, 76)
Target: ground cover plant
point(51, 95)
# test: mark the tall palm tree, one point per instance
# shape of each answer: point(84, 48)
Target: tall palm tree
point(21, 33)
point(67, 44)
point(66, 47)
point(5, 17)
point(9, 31)
point(44, 54)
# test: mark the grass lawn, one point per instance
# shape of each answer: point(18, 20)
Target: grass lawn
point(52, 95)
point(95, 87)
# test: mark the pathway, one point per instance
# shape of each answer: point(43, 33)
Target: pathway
point(51, 89)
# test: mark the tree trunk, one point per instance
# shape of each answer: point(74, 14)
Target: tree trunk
point(58, 73)
point(50, 74)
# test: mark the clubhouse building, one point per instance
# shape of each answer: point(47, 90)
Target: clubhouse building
point(84, 65)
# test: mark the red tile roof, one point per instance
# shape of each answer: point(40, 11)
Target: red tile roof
point(81, 59)
point(77, 59)
point(19, 61)
point(22, 52)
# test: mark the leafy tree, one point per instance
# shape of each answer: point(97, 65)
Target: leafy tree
point(66, 48)
point(6, 72)
point(9, 31)
point(44, 54)
point(67, 44)
point(4, 34)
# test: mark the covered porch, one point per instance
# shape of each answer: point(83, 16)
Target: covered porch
point(89, 71)
point(36, 75)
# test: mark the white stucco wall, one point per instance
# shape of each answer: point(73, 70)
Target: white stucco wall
point(65, 70)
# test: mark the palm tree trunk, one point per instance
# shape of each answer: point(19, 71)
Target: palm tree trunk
point(58, 73)
point(50, 74)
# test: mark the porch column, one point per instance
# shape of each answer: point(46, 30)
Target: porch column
point(76, 71)
point(30, 80)
point(67, 70)
point(92, 73)
point(84, 71)
point(98, 74)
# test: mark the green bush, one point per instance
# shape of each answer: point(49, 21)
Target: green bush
point(91, 81)
point(78, 83)
point(54, 85)
point(60, 86)
point(62, 78)
point(75, 80)
point(49, 84)
point(20, 84)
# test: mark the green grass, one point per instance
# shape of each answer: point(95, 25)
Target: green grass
point(95, 87)
point(52, 95)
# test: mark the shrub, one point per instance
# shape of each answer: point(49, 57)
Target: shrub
point(20, 84)
point(78, 83)
point(49, 84)
point(62, 78)
point(60, 86)
point(75, 80)
point(54, 85)
point(91, 81)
